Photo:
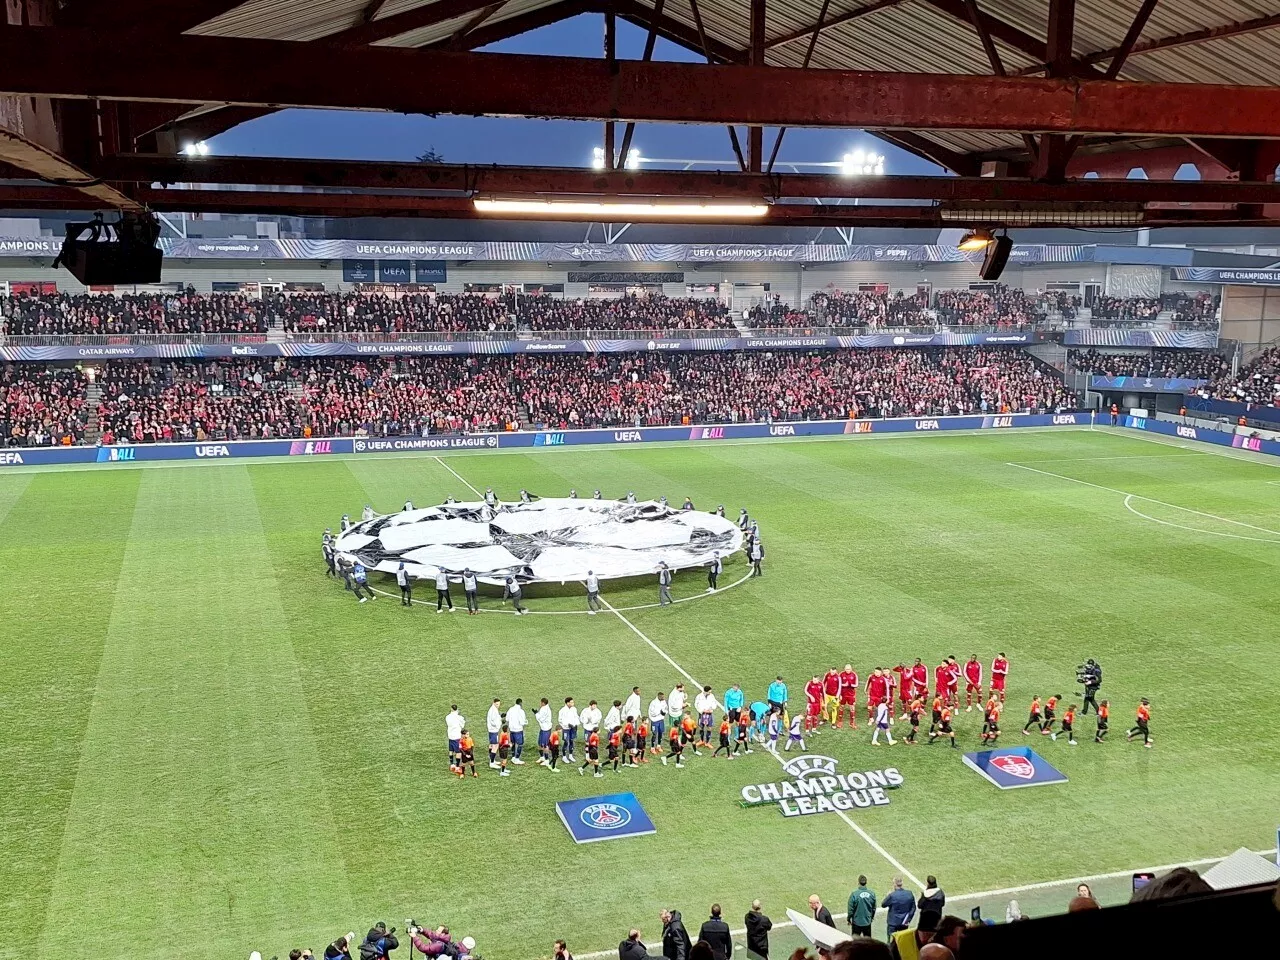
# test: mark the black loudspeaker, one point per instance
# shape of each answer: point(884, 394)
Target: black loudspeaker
point(123, 253)
point(997, 256)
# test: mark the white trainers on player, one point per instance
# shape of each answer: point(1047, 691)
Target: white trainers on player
point(518, 762)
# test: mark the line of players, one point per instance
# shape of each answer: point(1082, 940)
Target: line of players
point(629, 735)
point(833, 696)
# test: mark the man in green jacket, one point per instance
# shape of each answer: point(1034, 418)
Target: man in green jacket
point(862, 909)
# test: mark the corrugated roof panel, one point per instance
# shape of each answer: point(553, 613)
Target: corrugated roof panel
point(285, 19)
point(443, 31)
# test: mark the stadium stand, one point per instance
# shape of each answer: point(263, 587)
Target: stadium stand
point(1257, 383)
point(42, 406)
point(1187, 364)
point(157, 401)
point(302, 316)
point(64, 314)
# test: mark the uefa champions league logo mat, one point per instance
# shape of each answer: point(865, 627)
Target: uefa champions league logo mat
point(1012, 767)
point(816, 787)
point(604, 818)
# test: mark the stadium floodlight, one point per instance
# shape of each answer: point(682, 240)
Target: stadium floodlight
point(862, 163)
point(975, 240)
point(197, 149)
point(621, 211)
point(597, 158)
point(633, 160)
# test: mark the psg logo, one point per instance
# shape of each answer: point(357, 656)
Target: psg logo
point(605, 816)
point(1014, 766)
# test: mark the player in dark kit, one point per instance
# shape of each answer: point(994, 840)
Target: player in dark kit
point(615, 737)
point(744, 733)
point(1050, 708)
point(915, 712)
point(593, 755)
point(553, 749)
point(1033, 719)
point(944, 727)
point(677, 748)
point(467, 754)
point(935, 716)
point(1143, 725)
point(1104, 718)
point(724, 740)
point(629, 740)
point(1068, 722)
point(991, 720)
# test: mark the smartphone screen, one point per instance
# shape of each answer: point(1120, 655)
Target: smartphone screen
point(976, 914)
point(1140, 880)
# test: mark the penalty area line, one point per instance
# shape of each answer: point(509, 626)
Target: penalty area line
point(1138, 496)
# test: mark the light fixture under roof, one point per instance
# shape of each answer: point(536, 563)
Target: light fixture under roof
point(975, 240)
point(622, 210)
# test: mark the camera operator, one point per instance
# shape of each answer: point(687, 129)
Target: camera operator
point(1089, 674)
point(378, 942)
point(340, 949)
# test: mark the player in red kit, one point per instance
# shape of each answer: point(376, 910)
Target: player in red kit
point(941, 674)
point(813, 704)
point(972, 681)
point(920, 679)
point(999, 672)
point(891, 684)
point(905, 688)
point(953, 683)
point(831, 696)
point(877, 691)
point(848, 696)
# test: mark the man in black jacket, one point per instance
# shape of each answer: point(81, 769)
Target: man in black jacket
point(632, 948)
point(378, 943)
point(716, 933)
point(758, 927)
point(675, 938)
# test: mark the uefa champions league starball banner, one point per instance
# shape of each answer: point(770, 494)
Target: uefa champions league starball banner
point(610, 817)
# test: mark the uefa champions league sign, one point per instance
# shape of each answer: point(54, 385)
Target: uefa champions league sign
point(815, 787)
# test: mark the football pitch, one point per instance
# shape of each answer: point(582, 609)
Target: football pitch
point(210, 748)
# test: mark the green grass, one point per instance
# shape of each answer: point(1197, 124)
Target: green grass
point(211, 748)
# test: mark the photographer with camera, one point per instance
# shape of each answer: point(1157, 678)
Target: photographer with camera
point(379, 942)
point(340, 949)
point(1089, 675)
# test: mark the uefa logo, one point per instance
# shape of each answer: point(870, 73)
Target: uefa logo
point(605, 816)
point(810, 765)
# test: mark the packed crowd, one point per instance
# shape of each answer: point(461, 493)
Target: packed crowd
point(1258, 383)
point(178, 314)
point(652, 390)
point(869, 309)
point(163, 400)
point(1184, 364)
point(301, 315)
point(1198, 311)
point(41, 406)
point(1001, 306)
point(320, 313)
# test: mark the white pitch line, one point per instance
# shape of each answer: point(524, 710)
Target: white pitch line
point(1211, 449)
point(459, 476)
point(1169, 523)
point(1004, 892)
point(1158, 456)
point(1138, 496)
